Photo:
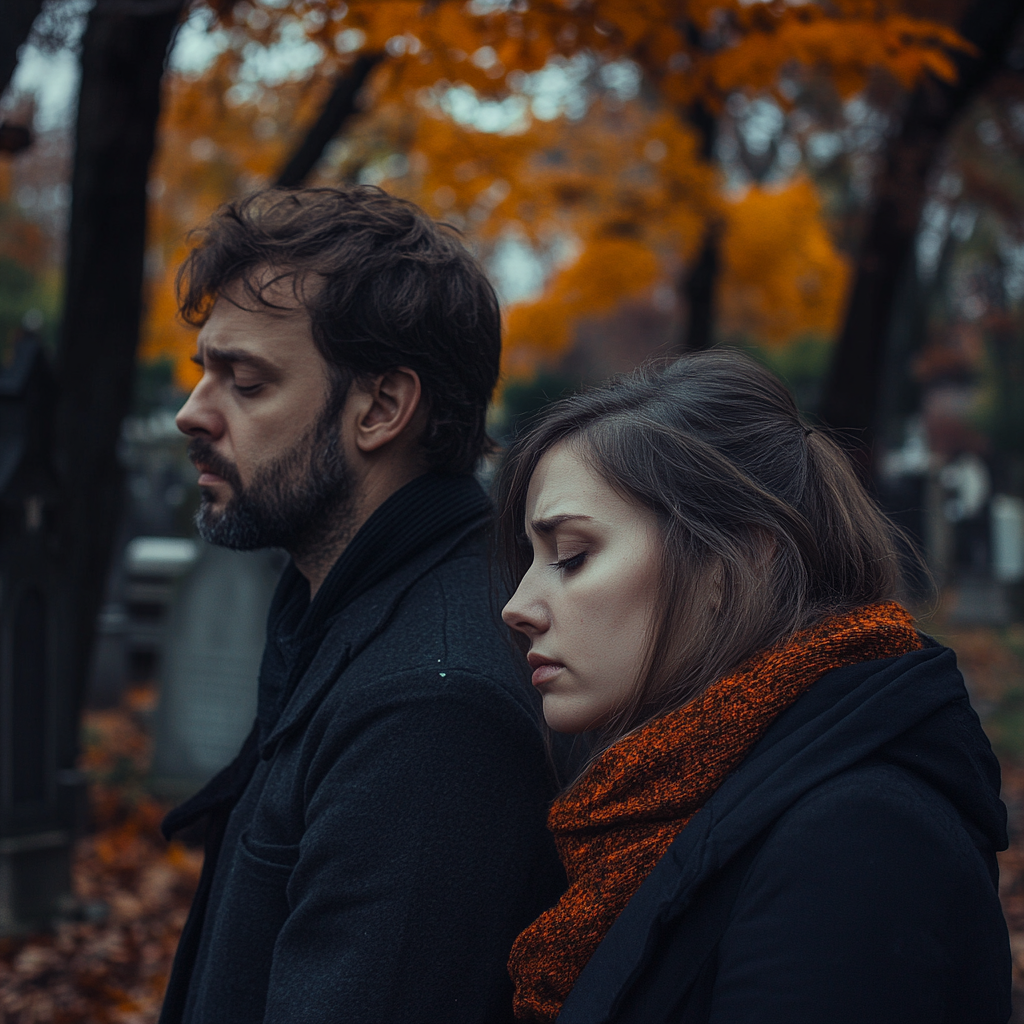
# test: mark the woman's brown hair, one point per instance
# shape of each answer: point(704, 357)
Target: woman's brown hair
point(765, 526)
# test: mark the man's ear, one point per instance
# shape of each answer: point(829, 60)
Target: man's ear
point(384, 407)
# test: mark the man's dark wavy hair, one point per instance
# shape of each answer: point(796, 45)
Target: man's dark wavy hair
point(384, 286)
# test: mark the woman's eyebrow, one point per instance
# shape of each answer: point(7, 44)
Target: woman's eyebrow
point(553, 522)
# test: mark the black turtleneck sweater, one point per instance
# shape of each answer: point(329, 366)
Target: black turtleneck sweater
point(379, 842)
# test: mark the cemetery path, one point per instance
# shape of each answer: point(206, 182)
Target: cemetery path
point(110, 965)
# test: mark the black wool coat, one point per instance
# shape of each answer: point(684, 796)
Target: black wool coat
point(845, 873)
point(380, 841)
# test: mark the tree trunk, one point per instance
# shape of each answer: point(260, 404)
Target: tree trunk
point(124, 49)
point(852, 391)
point(16, 17)
point(340, 106)
point(698, 289)
point(699, 284)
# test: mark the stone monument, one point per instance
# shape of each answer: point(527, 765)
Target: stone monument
point(210, 664)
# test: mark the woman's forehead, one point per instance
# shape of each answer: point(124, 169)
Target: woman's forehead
point(566, 485)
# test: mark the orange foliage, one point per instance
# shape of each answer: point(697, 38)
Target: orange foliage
point(20, 240)
point(625, 183)
point(609, 269)
point(631, 209)
point(692, 49)
point(782, 276)
point(111, 965)
point(210, 149)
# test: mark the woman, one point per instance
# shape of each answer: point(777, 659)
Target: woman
point(792, 812)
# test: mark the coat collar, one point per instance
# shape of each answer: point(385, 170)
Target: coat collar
point(357, 626)
point(413, 519)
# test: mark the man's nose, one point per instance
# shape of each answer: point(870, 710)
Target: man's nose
point(199, 416)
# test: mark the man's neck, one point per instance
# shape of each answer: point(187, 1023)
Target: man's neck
point(315, 558)
point(316, 555)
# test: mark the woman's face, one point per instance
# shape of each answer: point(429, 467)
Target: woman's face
point(587, 601)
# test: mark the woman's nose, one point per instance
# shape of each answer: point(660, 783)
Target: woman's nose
point(525, 613)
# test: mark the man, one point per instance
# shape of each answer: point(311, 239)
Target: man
point(379, 842)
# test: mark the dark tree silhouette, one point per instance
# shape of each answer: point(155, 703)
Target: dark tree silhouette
point(854, 385)
point(124, 52)
point(341, 104)
point(699, 283)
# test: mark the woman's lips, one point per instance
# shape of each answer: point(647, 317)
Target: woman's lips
point(545, 673)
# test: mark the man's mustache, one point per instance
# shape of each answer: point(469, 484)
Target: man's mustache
point(201, 452)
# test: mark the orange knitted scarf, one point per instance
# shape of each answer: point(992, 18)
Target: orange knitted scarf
point(615, 824)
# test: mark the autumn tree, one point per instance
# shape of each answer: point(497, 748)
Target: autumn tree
point(695, 55)
point(634, 188)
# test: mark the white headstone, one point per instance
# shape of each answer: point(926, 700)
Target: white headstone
point(210, 665)
point(1008, 538)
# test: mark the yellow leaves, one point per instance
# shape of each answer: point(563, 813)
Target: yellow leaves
point(782, 276)
point(608, 270)
point(627, 181)
point(701, 49)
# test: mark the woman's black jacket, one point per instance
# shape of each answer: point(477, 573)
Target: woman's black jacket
point(845, 873)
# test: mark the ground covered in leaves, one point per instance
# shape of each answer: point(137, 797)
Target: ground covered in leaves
point(110, 964)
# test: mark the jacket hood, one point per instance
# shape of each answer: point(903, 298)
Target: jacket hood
point(945, 746)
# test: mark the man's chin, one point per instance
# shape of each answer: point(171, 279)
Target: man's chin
point(212, 523)
point(215, 499)
point(227, 525)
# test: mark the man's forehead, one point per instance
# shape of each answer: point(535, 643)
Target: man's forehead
point(234, 332)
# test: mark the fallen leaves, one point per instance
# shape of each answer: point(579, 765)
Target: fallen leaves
point(109, 965)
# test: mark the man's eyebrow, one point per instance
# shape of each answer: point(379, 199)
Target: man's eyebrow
point(232, 356)
point(553, 522)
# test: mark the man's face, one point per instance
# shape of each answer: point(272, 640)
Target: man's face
point(264, 422)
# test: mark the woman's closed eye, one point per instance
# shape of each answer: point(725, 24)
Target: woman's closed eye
point(570, 563)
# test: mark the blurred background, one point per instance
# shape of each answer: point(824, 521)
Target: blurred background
point(836, 188)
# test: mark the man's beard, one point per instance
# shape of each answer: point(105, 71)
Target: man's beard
point(300, 501)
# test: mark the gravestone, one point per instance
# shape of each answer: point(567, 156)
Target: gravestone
point(130, 631)
point(1008, 538)
point(210, 665)
point(40, 792)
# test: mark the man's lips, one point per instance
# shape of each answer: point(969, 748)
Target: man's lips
point(206, 479)
point(544, 669)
